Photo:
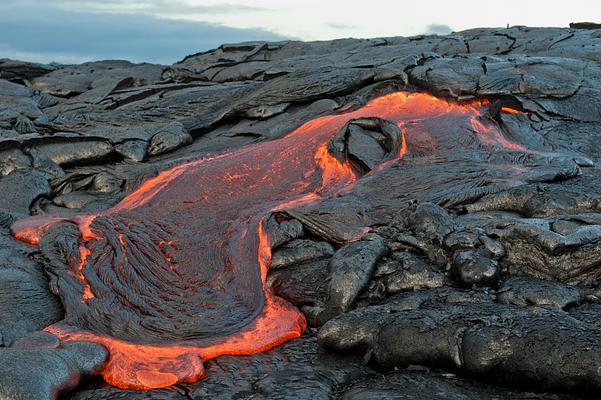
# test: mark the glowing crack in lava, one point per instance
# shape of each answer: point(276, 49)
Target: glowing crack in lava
point(175, 273)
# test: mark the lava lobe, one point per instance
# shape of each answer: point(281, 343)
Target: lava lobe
point(175, 273)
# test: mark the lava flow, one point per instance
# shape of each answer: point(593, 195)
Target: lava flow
point(175, 273)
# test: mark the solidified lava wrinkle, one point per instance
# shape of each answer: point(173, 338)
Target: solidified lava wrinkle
point(175, 273)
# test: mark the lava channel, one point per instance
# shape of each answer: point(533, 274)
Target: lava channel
point(175, 273)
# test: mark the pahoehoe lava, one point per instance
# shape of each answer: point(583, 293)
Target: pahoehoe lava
point(175, 273)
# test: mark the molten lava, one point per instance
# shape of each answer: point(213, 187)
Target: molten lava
point(175, 273)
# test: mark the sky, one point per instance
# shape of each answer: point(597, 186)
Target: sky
point(164, 31)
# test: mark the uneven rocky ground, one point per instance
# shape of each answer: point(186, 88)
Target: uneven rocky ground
point(479, 278)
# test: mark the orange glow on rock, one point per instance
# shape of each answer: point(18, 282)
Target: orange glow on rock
point(84, 252)
point(30, 230)
point(230, 193)
point(510, 110)
point(140, 367)
point(403, 145)
point(333, 171)
point(493, 137)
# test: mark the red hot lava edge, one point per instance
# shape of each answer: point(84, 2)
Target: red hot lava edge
point(284, 173)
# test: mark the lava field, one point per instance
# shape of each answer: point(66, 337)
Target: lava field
point(391, 218)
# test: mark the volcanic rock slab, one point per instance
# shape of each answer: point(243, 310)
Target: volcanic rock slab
point(41, 373)
point(480, 338)
point(433, 200)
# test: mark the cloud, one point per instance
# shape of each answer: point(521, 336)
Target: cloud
point(334, 25)
point(438, 29)
point(156, 7)
point(55, 34)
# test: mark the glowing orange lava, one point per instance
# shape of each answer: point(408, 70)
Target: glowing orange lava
point(510, 110)
point(239, 187)
point(84, 252)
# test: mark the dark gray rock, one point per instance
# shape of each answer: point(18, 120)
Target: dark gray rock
point(584, 25)
point(102, 391)
point(43, 373)
point(300, 251)
point(494, 247)
point(351, 269)
point(296, 370)
point(134, 150)
point(524, 291)
point(408, 271)
point(168, 138)
point(458, 335)
point(423, 384)
point(547, 254)
point(26, 304)
point(304, 86)
point(76, 151)
point(267, 111)
point(37, 340)
point(367, 141)
point(31, 183)
point(431, 222)
point(478, 268)
point(13, 159)
point(14, 70)
point(282, 230)
point(75, 79)
point(461, 240)
point(302, 284)
point(555, 235)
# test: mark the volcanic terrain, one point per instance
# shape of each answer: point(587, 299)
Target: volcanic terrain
point(391, 218)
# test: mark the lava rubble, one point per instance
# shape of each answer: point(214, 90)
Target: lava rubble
point(402, 218)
